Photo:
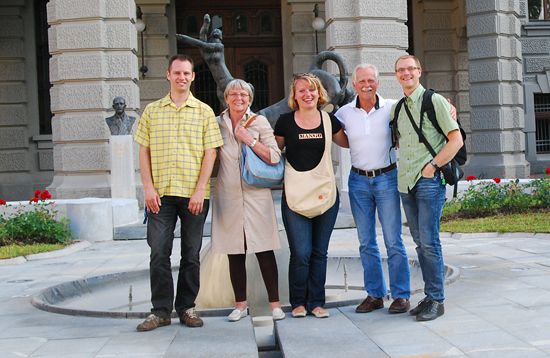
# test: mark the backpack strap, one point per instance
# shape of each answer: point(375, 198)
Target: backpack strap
point(428, 108)
point(418, 131)
point(393, 123)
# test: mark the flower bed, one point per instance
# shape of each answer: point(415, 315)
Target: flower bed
point(34, 223)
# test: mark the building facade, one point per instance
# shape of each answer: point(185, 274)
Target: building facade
point(63, 61)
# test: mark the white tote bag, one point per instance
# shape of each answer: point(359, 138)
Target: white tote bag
point(311, 193)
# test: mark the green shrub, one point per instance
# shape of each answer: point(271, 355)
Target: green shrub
point(491, 198)
point(540, 193)
point(38, 225)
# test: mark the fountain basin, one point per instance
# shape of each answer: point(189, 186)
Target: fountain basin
point(127, 294)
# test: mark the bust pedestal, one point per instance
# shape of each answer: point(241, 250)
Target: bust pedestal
point(123, 183)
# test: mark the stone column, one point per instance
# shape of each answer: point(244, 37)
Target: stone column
point(366, 31)
point(496, 91)
point(93, 46)
point(369, 31)
point(159, 45)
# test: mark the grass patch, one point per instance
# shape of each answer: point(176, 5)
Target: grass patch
point(537, 222)
point(10, 251)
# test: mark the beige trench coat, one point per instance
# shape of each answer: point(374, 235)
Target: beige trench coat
point(239, 210)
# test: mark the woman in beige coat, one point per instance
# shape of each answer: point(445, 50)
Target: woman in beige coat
point(243, 216)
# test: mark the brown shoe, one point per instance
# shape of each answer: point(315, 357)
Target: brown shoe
point(370, 304)
point(399, 305)
point(151, 322)
point(190, 318)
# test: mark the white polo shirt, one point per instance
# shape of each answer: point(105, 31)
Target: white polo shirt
point(369, 133)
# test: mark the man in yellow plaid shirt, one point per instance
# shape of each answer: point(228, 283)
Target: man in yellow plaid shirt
point(178, 137)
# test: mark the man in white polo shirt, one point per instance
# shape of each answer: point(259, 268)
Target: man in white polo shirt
point(373, 188)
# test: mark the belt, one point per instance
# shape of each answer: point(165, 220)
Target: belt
point(375, 172)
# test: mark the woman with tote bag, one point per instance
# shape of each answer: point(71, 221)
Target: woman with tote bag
point(310, 201)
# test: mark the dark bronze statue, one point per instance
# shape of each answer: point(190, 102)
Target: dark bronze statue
point(212, 51)
point(120, 123)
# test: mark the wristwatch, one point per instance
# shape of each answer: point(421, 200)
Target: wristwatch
point(254, 141)
point(434, 164)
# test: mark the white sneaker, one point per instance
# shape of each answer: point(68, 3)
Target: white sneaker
point(278, 314)
point(237, 314)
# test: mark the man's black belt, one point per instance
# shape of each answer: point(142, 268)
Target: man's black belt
point(375, 172)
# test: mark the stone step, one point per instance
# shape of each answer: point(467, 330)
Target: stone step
point(330, 337)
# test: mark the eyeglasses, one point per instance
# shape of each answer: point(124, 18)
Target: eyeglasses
point(409, 69)
point(241, 95)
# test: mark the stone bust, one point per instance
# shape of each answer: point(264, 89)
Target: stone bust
point(120, 123)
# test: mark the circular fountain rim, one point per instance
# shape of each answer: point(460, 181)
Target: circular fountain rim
point(47, 299)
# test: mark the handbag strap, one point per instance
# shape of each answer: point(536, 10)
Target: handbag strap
point(419, 132)
point(250, 120)
point(327, 126)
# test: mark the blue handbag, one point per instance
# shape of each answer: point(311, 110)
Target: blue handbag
point(258, 173)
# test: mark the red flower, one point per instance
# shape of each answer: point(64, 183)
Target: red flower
point(45, 195)
point(2, 202)
point(497, 180)
point(34, 200)
point(36, 193)
point(470, 178)
point(548, 171)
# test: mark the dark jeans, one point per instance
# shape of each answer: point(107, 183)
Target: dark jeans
point(308, 241)
point(160, 237)
point(423, 206)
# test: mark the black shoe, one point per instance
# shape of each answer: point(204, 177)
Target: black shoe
point(431, 311)
point(420, 306)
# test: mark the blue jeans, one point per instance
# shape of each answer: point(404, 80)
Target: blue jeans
point(368, 196)
point(160, 237)
point(423, 205)
point(308, 242)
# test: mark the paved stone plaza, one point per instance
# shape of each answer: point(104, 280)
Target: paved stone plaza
point(498, 307)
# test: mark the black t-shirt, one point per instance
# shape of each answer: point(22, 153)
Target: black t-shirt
point(304, 147)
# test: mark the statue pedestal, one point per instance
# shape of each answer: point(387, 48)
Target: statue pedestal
point(123, 184)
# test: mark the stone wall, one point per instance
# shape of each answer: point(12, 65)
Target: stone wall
point(25, 155)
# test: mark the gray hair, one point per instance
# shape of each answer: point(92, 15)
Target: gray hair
point(364, 66)
point(237, 84)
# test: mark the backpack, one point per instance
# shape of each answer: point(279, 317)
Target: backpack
point(427, 107)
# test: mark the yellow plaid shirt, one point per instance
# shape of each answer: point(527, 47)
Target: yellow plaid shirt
point(177, 139)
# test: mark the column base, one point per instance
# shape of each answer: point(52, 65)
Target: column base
point(80, 186)
point(486, 166)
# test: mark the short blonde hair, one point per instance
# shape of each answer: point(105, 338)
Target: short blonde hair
point(313, 81)
point(237, 84)
point(404, 57)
